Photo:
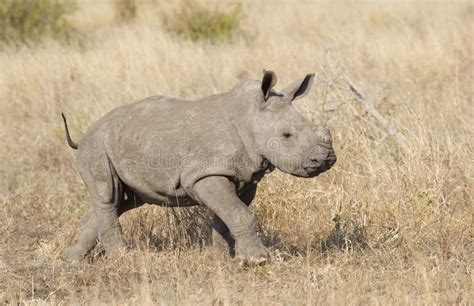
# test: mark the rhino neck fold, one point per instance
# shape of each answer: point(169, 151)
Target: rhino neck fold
point(243, 125)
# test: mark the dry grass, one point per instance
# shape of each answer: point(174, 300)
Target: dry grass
point(382, 227)
point(27, 21)
point(200, 23)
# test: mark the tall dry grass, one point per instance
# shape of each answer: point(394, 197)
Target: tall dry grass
point(384, 226)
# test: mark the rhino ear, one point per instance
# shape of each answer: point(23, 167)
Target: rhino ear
point(298, 89)
point(269, 80)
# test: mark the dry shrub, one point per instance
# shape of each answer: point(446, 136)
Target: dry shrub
point(30, 20)
point(199, 23)
point(126, 10)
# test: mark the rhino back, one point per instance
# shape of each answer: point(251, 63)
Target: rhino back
point(161, 146)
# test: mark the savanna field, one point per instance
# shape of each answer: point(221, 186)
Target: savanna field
point(390, 224)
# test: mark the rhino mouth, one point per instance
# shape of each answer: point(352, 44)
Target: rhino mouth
point(310, 171)
point(266, 165)
point(316, 170)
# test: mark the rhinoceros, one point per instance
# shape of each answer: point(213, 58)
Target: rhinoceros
point(211, 152)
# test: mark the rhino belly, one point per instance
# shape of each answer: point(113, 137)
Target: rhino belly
point(154, 186)
point(178, 199)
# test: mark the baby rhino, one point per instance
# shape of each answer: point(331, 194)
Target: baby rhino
point(211, 152)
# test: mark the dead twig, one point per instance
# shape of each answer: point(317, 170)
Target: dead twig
point(370, 108)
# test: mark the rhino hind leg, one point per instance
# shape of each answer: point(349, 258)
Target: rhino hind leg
point(89, 232)
point(108, 227)
point(106, 193)
point(87, 240)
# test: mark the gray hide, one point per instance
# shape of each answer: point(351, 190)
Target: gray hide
point(212, 151)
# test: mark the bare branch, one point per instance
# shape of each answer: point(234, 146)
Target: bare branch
point(360, 97)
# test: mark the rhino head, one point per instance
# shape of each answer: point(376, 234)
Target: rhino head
point(283, 136)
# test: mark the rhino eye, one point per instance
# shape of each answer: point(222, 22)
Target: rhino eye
point(287, 135)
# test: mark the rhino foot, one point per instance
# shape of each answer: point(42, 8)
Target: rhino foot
point(254, 255)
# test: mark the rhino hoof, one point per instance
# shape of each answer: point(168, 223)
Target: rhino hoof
point(253, 261)
point(253, 257)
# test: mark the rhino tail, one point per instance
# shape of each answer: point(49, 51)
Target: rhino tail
point(70, 142)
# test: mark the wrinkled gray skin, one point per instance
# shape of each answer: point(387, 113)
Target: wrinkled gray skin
point(212, 152)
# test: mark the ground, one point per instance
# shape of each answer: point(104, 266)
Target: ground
point(389, 224)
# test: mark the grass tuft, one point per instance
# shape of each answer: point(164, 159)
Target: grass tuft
point(23, 21)
point(200, 23)
point(126, 10)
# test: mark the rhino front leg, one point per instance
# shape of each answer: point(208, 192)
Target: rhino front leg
point(222, 241)
point(219, 194)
